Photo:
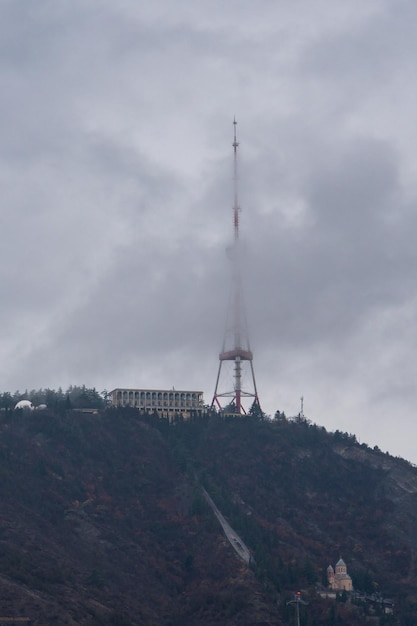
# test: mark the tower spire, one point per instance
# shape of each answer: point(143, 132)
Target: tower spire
point(235, 184)
point(236, 339)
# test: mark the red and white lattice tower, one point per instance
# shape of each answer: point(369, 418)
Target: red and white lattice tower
point(236, 347)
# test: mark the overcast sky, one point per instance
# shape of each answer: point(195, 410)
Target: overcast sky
point(116, 171)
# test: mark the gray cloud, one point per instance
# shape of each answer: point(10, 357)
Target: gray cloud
point(116, 176)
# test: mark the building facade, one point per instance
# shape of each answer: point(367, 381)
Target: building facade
point(167, 402)
point(338, 578)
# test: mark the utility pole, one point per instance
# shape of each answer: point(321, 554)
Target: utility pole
point(296, 602)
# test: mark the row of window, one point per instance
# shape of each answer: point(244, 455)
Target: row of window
point(152, 405)
point(164, 410)
point(158, 398)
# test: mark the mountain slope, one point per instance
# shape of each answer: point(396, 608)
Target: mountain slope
point(103, 520)
point(302, 497)
point(100, 525)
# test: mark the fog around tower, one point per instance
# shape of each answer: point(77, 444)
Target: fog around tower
point(116, 165)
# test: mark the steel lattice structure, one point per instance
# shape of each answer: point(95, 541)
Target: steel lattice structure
point(236, 346)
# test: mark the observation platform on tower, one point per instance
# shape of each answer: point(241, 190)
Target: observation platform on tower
point(231, 355)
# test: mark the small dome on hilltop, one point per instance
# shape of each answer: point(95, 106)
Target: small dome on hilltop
point(24, 404)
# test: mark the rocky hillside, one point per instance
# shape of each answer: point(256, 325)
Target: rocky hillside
point(103, 521)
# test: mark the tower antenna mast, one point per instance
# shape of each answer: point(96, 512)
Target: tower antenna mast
point(236, 339)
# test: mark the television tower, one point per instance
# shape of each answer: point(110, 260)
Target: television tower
point(236, 339)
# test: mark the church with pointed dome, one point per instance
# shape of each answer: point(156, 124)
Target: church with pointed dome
point(339, 579)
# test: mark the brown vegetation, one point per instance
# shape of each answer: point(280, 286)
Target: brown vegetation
point(103, 521)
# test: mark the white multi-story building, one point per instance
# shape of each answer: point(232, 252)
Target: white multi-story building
point(166, 402)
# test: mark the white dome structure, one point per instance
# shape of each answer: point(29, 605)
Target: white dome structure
point(24, 404)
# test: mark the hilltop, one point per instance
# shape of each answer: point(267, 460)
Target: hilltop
point(103, 520)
